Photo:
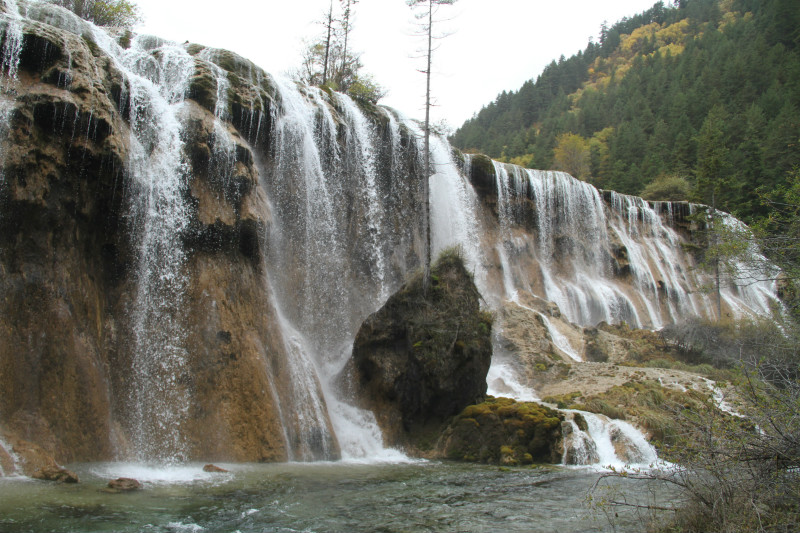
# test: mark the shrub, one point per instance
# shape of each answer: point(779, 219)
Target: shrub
point(667, 188)
point(116, 13)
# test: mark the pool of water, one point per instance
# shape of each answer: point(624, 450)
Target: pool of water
point(315, 497)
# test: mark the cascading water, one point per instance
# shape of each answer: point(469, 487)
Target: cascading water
point(9, 460)
point(331, 243)
point(157, 73)
point(360, 136)
point(156, 77)
point(757, 287)
point(454, 205)
point(11, 36)
point(605, 442)
point(223, 158)
point(571, 232)
point(343, 232)
point(577, 236)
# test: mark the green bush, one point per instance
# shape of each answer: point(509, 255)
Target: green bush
point(116, 13)
point(667, 188)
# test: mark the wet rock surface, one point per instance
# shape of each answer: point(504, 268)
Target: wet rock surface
point(56, 473)
point(418, 361)
point(68, 264)
point(124, 484)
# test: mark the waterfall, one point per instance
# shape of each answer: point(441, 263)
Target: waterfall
point(11, 36)
point(156, 75)
point(9, 461)
point(560, 241)
point(604, 442)
point(341, 232)
point(360, 137)
point(332, 243)
point(157, 84)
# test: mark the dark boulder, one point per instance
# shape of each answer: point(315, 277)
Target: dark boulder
point(418, 361)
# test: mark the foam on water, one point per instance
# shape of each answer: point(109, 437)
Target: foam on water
point(159, 474)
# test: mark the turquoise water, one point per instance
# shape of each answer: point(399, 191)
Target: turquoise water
point(316, 497)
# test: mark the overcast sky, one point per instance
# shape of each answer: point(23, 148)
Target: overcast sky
point(493, 45)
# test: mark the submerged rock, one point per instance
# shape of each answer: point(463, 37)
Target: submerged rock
point(213, 468)
point(124, 484)
point(56, 473)
point(418, 361)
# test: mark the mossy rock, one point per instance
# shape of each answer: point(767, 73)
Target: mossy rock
point(483, 175)
point(504, 431)
point(203, 87)
point(422, 358)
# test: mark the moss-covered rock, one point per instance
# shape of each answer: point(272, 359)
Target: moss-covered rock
point(420, 360)
point(483, 176)
point(504, 431)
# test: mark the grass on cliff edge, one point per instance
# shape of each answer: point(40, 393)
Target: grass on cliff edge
point(645, 403)
point(733, 473)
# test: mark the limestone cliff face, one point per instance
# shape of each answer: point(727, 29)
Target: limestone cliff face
point(63, 248)
point(68, 257)
point(184, 239)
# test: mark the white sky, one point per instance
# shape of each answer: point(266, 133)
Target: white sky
point(493, 45)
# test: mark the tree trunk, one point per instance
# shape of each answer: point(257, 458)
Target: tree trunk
point(329, 26)
point(426, 280)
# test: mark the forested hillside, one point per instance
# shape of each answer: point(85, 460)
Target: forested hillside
point(678, 102)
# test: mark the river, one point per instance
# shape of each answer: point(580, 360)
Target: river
point(316, 497)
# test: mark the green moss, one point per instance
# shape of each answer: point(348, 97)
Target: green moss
point(506, 431)
point(563, 401)
point(194, 49)
point(93, 48)
point(527, 458)
point(580, 422)
point(648, 405)
point(484, 165)
point(125, 39)
point(203, 89)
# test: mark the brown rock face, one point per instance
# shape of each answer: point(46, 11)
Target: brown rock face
point(56, 473)
point(419, 361)
point(68, 256)
point(60, 248)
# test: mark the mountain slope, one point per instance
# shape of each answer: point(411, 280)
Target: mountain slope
point(707, 90)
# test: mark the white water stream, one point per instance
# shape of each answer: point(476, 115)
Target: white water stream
point(11, 35)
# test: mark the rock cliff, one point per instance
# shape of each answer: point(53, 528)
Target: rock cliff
point(70, 237)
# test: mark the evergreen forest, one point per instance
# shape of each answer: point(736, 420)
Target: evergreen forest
point(697, 100)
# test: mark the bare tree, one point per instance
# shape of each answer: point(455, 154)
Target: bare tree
point(347, 26)
point(426, 17)
point(328, 23)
